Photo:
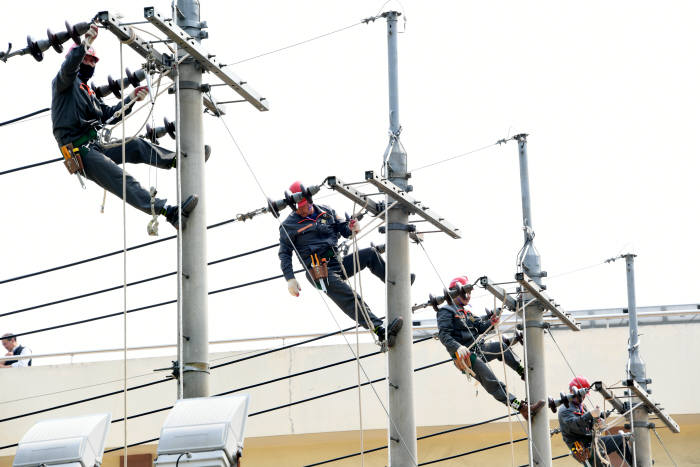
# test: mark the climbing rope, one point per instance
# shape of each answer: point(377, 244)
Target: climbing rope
point(505, 379)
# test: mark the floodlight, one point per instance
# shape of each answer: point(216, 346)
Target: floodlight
point(204, 431)
point(74, 442)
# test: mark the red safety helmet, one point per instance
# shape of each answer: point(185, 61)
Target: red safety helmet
point(461, 280)
point(296, 188)
point(90, 52)
point(579, 382)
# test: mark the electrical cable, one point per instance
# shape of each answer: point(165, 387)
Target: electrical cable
point(17, 169)
point(145, 307)
point(451, 430)
point(31, 114)
point(664, 447)
point(493, 446)
point(141, 281)
point(106, 255)
point(560, 456)
point(365, 21)
point(237, 360)
point(442, 161)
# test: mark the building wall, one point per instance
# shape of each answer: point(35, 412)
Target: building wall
point(328, 427)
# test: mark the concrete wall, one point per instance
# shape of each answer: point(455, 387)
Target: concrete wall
point(328, 427)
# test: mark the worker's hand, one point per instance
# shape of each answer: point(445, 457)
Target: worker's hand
point(293, 287)
point(354, 226)
point(462, 358)
point(495, 319)
point(91, 35)
point(595, 412)
point(139, 93)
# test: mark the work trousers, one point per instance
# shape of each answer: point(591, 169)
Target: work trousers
point(101, 167)
point(484, 375)
point(342, 294)
point(613, 444)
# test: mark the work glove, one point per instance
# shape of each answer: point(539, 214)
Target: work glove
point(595, 412)
point(354, 226)
point(293, 287)
point(462, 358)
point(495, 319)
point(139, 93)
point(91, 35)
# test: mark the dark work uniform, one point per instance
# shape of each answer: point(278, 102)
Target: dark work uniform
point(74, 111)
point(459, 327)
point(318, 234)
point(577, 425)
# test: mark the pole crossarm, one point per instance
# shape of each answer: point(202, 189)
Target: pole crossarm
point(334, 183)
point(651, 405)
point(205, 59)
point(508, 301)
point(144, 48)
point(567, 318)
point(411, 205)
point(609, 396)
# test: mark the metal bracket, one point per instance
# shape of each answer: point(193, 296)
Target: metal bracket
point(399, 226)
point(205, 59)
point(508, 301)
point(334, 183)
point(609, 396)
point(199, 367)
point(145, 49)
point(651, 405)
point(411, 205)
point(534, 290)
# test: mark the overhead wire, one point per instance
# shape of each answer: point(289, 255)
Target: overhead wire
point(432, 435)
point(106, 255)
point(145, 307)
point(20, 118)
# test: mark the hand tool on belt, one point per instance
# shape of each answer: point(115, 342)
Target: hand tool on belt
point(73, 151)
point(319, 270)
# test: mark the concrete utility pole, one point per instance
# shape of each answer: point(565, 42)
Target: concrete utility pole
point(636, 370)
point(195, 321)
point(402, 424)
point(534, 323)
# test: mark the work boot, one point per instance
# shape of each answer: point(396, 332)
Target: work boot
point(521, 372)
point(390, 337)
point(187, 207)
point(534, 408)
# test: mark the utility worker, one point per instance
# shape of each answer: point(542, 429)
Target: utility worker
point(578, 425)
point(313, 231)
point(76, 113)
point(9, 341)
point(458, 329)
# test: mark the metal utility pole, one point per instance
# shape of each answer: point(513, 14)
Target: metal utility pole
point(636, 370)
point(541, 455)
point(195, 320)
point(402, 424)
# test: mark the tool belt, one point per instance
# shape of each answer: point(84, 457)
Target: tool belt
point(319, 267)
point(580, 452)
point(71, 152)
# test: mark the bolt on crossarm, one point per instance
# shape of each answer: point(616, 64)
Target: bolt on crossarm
point(541, 453)
point(194, 247)
point(402, 425)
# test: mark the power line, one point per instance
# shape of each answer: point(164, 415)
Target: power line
point(561, 456)
point(31, 114)
point(106, 255)
point(141, 281)
point(266, 352)
point(493, 446)
point(145, 307)
point(337, 391)
point(451, 430)
point(17, 169)
point(306, 41)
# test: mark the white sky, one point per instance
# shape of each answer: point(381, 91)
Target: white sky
point(608, 92)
